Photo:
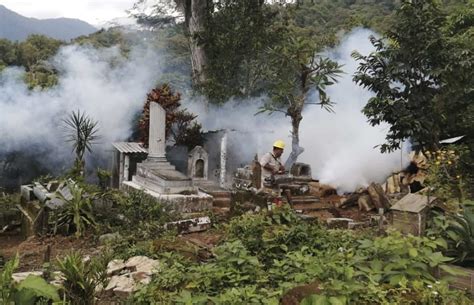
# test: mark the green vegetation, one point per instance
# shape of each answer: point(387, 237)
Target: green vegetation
point(82, 277)
point(421, 74)
point(30, 291)
point(263, 256)
point(34, 54)
point(411, 72)
point(77, 211)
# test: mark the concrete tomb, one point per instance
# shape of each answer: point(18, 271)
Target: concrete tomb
point(156, 173)
point(198, 164)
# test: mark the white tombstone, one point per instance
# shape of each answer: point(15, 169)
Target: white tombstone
point(157, 132)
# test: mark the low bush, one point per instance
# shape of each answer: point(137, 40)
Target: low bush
point(263, 256)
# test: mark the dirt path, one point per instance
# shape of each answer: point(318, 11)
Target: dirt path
point(32, 251)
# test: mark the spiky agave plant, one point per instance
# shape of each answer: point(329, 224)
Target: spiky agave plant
point(82, 132)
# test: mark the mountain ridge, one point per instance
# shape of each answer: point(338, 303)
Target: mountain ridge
point(14, 26)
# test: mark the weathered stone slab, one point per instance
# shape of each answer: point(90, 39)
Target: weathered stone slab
point(20, 276)
point(178, 202)
point(27, 192)
point(115, 266)
point(142, 264)
point(339, 223)
point(190, 225)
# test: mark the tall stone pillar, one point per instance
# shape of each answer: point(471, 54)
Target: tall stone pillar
point(157, 132)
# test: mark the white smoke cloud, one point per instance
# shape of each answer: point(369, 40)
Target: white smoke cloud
point(340, 147)
point(107, 86)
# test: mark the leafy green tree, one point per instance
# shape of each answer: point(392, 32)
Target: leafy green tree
point(36, 48)
point(233, 36)
point(296, 70)
point(420, 73)
point(8, 52)
point(105, 39)
point(404, 74)
point(237, 36)
point(82, 132)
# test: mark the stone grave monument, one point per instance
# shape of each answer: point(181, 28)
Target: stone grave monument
point(157, 177)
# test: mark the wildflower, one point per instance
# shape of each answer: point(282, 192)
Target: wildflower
point(437, 163)
point(449, 162)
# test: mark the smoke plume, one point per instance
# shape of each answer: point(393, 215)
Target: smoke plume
point(341, 147)
point(102, 83)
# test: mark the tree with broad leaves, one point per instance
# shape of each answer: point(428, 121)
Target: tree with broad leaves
point(407, 73)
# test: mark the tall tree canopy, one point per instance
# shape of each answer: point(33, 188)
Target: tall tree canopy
point(420, 73)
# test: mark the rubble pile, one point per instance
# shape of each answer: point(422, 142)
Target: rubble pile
point(127, 276)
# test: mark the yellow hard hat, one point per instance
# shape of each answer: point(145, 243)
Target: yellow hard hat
point(279, 144)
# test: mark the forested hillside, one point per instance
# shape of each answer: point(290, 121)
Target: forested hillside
point(14, 26)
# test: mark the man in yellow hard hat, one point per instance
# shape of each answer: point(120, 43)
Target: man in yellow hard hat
point(271, 162)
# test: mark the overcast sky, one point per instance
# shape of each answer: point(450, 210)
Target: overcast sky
point(92, 11)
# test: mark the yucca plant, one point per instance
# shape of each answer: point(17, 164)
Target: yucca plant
point(82, 132)
point(77, 210)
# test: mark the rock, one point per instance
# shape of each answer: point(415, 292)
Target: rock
point(314, 188)
point(339, 223)
point(365, 203)
point(115, 266)
point(349, 201)
point(190, 225)
point(109, 238)
point(378, 196)
point(142, 264)
point(357, 225)
point(326, 191)
point(141, 277)
point(20, 276)
point(120, 285)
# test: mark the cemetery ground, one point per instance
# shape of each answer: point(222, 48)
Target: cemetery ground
point(251, 254)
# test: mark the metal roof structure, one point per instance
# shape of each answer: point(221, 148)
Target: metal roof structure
point(451, 140)
point(413, 203)
point(130, 147)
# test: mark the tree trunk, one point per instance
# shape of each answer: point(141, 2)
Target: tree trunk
point(196, 15)
point(296, 150)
